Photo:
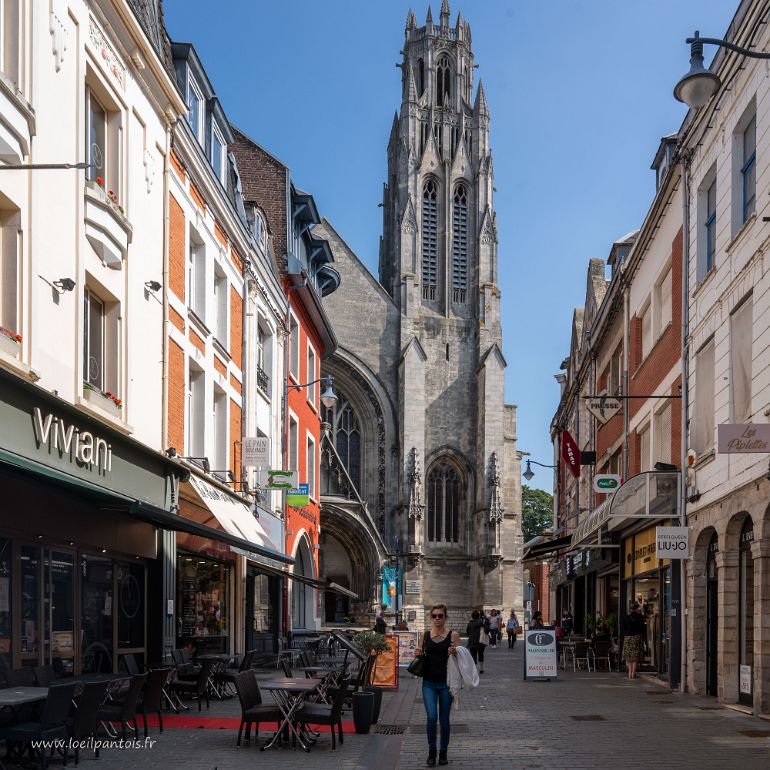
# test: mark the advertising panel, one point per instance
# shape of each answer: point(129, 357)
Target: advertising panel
point(540, 658)
point(385, 672)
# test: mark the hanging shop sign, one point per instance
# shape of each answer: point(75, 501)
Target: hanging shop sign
point(279, 479)
point(570, 453)
point(743, 438)
point(256, 451)
point(604, 408)
point(604, 483)
point(540, 653)
point(672, 542)
point(298, 496)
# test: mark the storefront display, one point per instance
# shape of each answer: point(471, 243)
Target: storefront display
point(204, 604)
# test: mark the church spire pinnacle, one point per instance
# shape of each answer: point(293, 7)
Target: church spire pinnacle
point(411, 22)
point(445, 13)
point(480, 107)
point(429, 17)
point(411, 87)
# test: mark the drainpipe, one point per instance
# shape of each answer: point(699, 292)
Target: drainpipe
point(684, 162)
point(626, 341)
point(166, 231)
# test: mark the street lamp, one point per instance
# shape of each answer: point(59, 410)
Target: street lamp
point(529, 473)
point(700, 83)
point(328, 397)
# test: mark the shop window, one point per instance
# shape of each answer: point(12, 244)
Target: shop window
point(6, 613)
point(130, 590)
point(310, 461)
point(96, 614)
point(445, 490)
point(741, 333)
point(196, 274)
point(302, 596)
point(702, 419)
point(203, 597)
point(195, 421)
point(262, 605)
point(746, 612)
point(311, 375)
point(10, 224)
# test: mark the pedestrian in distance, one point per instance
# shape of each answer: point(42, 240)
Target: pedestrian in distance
point(494, 628)
point(512, 627)
point(537, 620)
point(634, 629)
point(379, 625)
point(439, 643)
point(567, 623)
point(476, 634)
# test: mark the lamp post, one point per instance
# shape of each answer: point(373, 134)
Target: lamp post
point(699, 84)
point(529, 473)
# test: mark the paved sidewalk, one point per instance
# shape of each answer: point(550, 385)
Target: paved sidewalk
point(588, 720)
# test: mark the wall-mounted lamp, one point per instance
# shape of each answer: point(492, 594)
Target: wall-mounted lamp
point(64, 284)
point(171, 452)
point(201, 462)
point(152, 285)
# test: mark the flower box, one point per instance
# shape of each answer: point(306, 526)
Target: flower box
point(102, 401)
point(9, 345)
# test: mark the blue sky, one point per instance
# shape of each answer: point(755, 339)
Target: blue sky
point(579, 94)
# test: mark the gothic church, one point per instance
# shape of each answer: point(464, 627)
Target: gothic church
point(419, 461)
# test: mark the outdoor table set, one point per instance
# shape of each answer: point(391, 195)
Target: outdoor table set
point(290, 694)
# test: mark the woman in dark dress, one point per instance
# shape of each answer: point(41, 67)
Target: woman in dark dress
point(439, 644)
point(473, 632)
point(634, 629)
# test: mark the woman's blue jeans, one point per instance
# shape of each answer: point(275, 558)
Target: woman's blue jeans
point(438, 703)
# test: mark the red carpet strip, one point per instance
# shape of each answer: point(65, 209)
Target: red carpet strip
point(191, 722)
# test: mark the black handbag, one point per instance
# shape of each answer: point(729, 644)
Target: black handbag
point(417, 666)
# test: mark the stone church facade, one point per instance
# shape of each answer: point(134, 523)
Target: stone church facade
point(419, 460)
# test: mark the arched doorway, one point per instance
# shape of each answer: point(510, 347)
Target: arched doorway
point(712, 616)
point(746, 614)
point(302, 595)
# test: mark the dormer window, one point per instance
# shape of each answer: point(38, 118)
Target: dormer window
point(195, 108)
point(218, 153)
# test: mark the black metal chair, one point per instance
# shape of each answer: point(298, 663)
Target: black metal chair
point(21, 677)
point(253, 710)
point(287, 669)
point(44, 675)
point(124, 711)
point(130, 664)
point(197, 687)
point(151, 699)
point(321, 714)
point(84, 723)
point(51, 726)
point(226, 678)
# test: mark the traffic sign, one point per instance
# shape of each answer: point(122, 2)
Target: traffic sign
point(605, 483)
point(604, 408)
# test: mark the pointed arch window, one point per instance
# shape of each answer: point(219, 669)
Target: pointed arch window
point(460, 244)
point(346, 435)
point(445, 488)
point(443, 82)
point(429, 239)
point(420, 77)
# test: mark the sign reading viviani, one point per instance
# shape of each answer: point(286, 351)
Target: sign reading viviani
point(606, 483)
point(672, 543)
point(540, 653)
point(742, 438)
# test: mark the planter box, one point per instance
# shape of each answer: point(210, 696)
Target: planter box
point(9, 346)
point(103, 402)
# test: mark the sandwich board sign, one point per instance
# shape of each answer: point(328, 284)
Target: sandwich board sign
point(540, 659)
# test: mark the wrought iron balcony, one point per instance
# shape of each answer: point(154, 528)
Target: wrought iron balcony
point(263, 381)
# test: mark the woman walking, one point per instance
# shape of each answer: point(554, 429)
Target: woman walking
point(512, 627)
point(494, 628)
point(634, 628)
point(439, 644)
point(473, 631)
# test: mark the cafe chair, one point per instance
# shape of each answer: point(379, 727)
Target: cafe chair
point(581, 655)
point(287, 669)
point(199, 686)
point(253, 710)
point(321, 714)
point(284, 651)
point(124, 711)
point(130, 664)
point(21, 677)
point(51, 726)
point(226, 678)
point(83, 723)
point(44, 675)
point(150, 700)
point(601, 652)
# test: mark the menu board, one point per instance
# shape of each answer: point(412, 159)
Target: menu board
point(408, 642)
point(385, 673)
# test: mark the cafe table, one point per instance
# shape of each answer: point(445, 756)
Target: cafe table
point(14, 697)
point(289, 694)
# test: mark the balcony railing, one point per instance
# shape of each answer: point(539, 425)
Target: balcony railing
point(263, 381)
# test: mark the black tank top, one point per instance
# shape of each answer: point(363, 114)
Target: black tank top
point(436, 657)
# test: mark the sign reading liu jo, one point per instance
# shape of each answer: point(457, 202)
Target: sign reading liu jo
point(606, 482)
point(672, 543)
point(742, 438)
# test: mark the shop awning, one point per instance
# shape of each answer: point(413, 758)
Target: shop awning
point(547, 547)
point(592, 523)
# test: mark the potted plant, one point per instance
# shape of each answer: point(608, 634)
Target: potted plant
point(375, 644)
point(10, 342)
point(104, 400)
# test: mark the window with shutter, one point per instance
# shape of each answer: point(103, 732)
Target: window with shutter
point(740, 361)
point(429, 239)
point(460, 245)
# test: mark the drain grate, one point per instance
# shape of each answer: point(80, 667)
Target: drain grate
point(709, 708)
point(390, 729)
point(663, 701)
point(421, 729)
point(588, 718)
point(659, 692)
point(755, 733)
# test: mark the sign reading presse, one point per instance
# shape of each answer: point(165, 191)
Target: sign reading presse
point(672, 543)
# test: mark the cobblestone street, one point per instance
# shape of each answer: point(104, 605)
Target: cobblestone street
point(580, 721)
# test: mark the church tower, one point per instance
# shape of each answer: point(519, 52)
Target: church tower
point(459, 519)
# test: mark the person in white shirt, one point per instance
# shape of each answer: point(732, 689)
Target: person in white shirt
point(494, 628)
point(512, 627)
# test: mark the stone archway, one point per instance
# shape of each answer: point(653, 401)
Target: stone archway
point(302, 600)
point(699, 604)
